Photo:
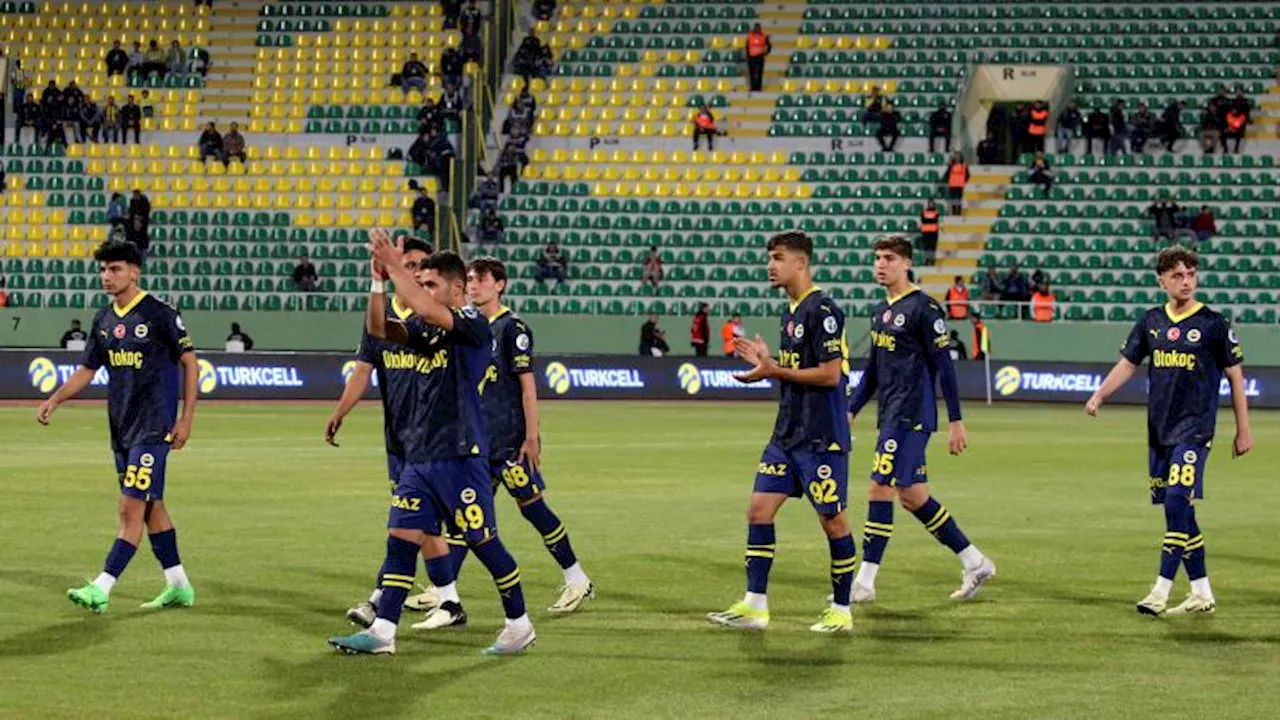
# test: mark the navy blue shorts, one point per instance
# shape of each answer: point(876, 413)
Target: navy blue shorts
point(140, 470)
point(395, 466)
point(522, 480)
point(823, 477)
point(1177, 469)
point(454, 493)
point(899, 460)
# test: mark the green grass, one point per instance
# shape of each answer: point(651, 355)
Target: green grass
point(281, 534)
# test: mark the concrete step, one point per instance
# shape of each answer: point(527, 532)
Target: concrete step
point(228, 84)
point(984, 194)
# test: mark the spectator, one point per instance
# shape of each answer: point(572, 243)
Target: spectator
point(75, 334)
point(4, 294)
point(991, 284)
point(210, 143)
point(33, 117)
point(651, 273)
point(1242, 103)
point(429, 119)
point(199, 60)
point(1119, 129)
point(417, 153)
point(452, 9)
point(653, 341)
point(957, 299)
point(111, 122)
point(90, 121)
point(872, 106)
point(136, 232)
point(116, 211)
point(1097, 128)
point(491, 226)
point(137, 59)
point(451, 62)
point(758, 48)
point(889, 119)
point(1236, 122)
point(453, 102)
point(1210, 131)
point(140, 207)
point(1021, 124)
point(71, 118)
point(56, 132)
point(956, 349)
point(1040, 173)
point(543, 9)
point(532, 59)
point(1204, 225)
point(522, 112)
point(1016, 288)
point(957, 176)
point(1171, 124)
point(1042, 304)
point(440, 157)
point(486, 196)
point(233, 145)
point(1163, 211)
point(1038, 127)
point(940, 127)
point(470, 19)
point(148, 107)
point(176, 59)
point(700, 331)
point(131, 119)
point(117, 60)
point(1144, 124)
point(1069, 124)
point(704, 125)
point(305, 278)
point(51, 100)
point(729, 334)
point(72, 93)
point(413, 74)
point(930, 225)
point(424, 211)
point(1182, 232)
point(552, 265)
point(240, 336)
point(19, 81)
point(154, 60)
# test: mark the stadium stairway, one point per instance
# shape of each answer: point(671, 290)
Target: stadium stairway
point(229, 85)
point(963, 239)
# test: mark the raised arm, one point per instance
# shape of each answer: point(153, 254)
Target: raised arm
point(407, 287)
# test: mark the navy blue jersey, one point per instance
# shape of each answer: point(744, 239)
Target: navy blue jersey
point(396, 383)
point(445, 421)
point(140, 344)
point(1188, 354)
point(812, 418)
point(500, 394)
point(908, 333)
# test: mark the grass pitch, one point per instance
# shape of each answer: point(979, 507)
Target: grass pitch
point(281, 533)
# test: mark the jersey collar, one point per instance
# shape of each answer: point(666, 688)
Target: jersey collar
point(502, 310)
point(1195, 308)
point(896, 298)
point(401, 312)
point(122, 311)
point(796, 303)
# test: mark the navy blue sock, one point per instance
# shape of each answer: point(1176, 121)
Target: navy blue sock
point(457, 552)
point(554, 536)
point(397, 577)
point(843, 557)
point(1177, 516)
point(165, 546)
point(877, 530)
point(506, 575)
point(1193, 558)
point(937, 520)
point(118, 559)
point(440, 570)
point(761, 544)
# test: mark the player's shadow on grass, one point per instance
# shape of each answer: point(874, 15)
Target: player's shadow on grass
point(71, 636)
point(307, 613)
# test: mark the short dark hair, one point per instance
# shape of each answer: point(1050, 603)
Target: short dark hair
point(118, 251)
point(1169, 258)
point(959, 278)
point(897, 244)
point(413, 243)
point(448, 265)
point(490, 266)
point(794, 240)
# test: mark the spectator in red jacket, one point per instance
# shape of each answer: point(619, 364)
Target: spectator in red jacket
point(1204, 225)
point(700, 332)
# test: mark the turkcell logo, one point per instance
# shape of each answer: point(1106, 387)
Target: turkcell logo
point(211, 376)
point(1009, 380)
point(349, 367)
point(561, 378)
point(693, 379)
point(45, 375)
point(1251, 387)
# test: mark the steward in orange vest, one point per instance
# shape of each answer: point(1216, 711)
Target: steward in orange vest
point(958, 300)
point(704, 124)
point(957, 176)
point(929, 226)
point(1038, 127)
point(1042, 304)
point(758, 46)
point(981, 337)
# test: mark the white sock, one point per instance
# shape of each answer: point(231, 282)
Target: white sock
point(757, 601)
point(383, 629)
point(971, 557)
point(1162, 587)
point(866, 576)
point(176, 576)
point(375, 596)
point(842, 608)
point(448, 593)
point(105, 582)
point(1201, 587)
point(521, 623)
point(575, 575)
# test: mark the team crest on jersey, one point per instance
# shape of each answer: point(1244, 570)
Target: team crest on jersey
point(1231, 335)
point(1193, 335)
point(824, 472)
point(177, 320)
point(1174, 334)
point(147, 460)
point(940, 326)
point(891, 445)
point(118, 331)
point(1189, 457)
point(899, 320)
point(885, 317)
point(468, 495)
point(522, 342)
point(140, 331)
point(799, 331)
point(829, 325)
